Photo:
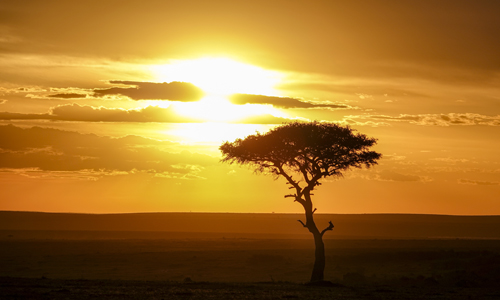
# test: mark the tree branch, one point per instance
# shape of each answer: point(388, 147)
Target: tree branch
point(330, 227)
point(288, 178)
point(303, 169)
point(292, 183)
point(302, 223)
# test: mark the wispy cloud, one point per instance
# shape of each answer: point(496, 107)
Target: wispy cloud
point(436, 119)
point(478, 182)
point(388, 175)
point(173, 91)
point(68, 96)
point(451, 160)
point(281, 102)
point(76, 112)
point(394, 176)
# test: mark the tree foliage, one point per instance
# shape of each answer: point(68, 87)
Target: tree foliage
point(314, 150)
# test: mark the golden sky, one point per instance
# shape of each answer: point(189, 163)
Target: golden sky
point(120, 106)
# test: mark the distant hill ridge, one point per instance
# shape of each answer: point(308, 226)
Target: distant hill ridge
point(346, 225)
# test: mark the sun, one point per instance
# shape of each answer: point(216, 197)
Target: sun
point(219, 76)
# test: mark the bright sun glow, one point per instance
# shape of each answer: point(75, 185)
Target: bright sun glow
point(220, 76)
point(213, 133)
point(219, 109)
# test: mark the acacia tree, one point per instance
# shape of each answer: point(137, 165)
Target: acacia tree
point(304, 153)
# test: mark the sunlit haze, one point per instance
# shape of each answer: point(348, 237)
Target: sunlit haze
point(219, 76)
point(110, 107)
point(219, 109)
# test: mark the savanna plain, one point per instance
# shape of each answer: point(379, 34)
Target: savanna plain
point(76, 256)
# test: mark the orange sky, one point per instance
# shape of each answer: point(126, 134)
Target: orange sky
point(120, 106)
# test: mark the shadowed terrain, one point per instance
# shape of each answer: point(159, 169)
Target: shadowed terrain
point(83, 261)
point(285, 225)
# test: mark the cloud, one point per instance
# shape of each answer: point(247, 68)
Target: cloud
point(477, 182)
point(364, 96)
point(394, 157)
point(54, 93)
point(350, 121)
point(281, 102)
point(2, 101)
point(46, 149)
point(21, 116)
point(438, 119)
point(76, 112)
point(26, 89)
point(469, 32)
point(173, 91)
point(68, 96)
point(73, 175)
point(389, 176)
point(85, 113)
point(451, 160)
point(135, 90)
point(393, 176)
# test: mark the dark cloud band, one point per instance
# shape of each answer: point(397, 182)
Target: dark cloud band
point(173, 91)
point(280, 102)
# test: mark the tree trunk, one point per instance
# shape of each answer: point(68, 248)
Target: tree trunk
point(319, 258)
point(319, 253)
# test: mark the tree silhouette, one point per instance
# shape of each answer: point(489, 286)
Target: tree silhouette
point(311, 151)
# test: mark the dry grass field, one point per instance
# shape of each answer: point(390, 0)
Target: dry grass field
point(90, 264)
point(42, 265)
point(21, 288)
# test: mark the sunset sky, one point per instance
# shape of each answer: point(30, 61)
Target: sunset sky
point(120, 106)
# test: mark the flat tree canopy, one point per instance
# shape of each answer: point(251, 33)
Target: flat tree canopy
point(312, 149)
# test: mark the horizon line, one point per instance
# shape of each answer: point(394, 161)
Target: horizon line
point(256, 213)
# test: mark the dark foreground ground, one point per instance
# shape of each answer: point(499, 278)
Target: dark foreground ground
point(51, 265)
point(37, 288)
